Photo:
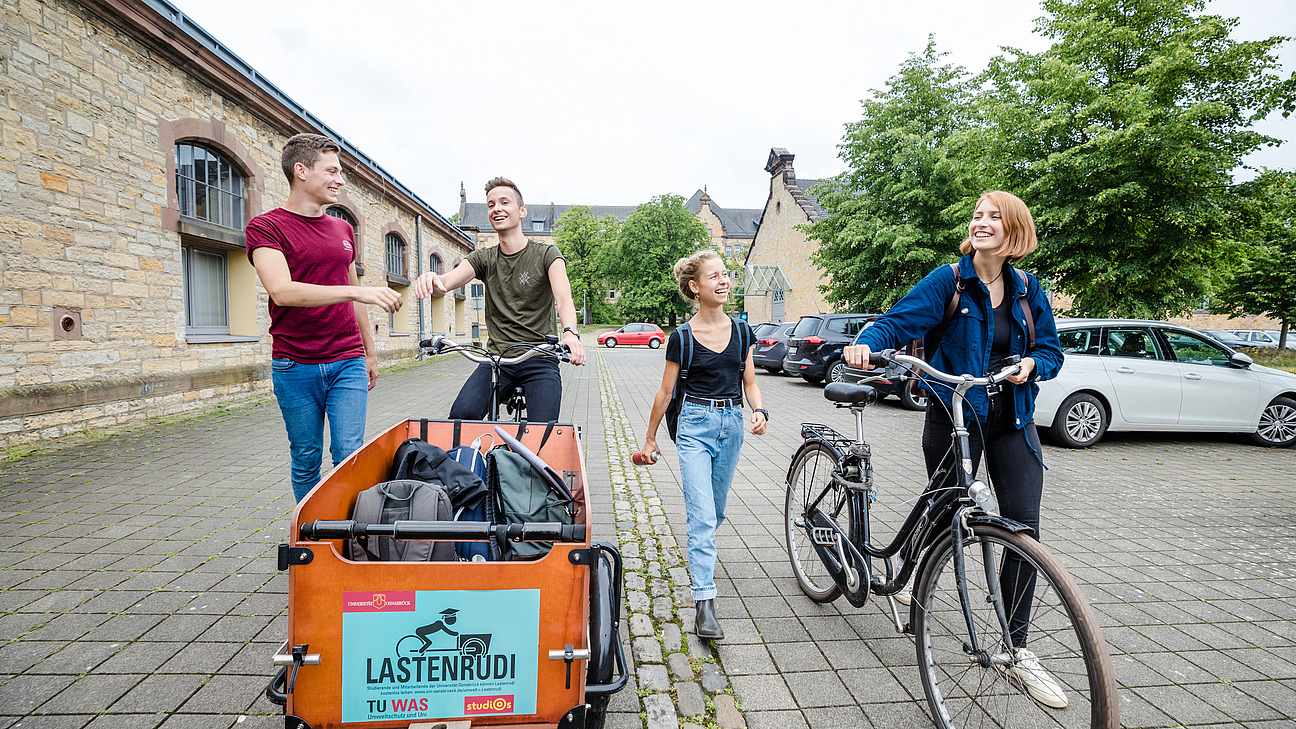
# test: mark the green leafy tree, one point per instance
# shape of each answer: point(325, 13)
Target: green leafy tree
point(584, 240)
point(652, 239)
point(1122, 138)
point(1264, 280)
point(897, 212)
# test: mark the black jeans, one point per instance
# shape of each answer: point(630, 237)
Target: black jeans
point(1018, 479)
point(540, 382)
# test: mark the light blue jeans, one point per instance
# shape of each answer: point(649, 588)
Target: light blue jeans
point(307, 393)
point(708, 441)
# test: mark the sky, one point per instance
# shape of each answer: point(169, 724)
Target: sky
point(609, 103)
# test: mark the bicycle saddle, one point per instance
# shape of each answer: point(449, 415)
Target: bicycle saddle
point(845, 392)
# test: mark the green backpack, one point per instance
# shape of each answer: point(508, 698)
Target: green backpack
point(525, 497)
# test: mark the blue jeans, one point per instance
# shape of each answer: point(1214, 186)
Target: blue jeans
point(708, 441)
point(307, 393)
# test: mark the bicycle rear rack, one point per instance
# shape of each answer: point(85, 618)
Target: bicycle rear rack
point(817, 431)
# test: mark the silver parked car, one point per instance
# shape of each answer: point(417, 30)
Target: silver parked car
point(1129, 374)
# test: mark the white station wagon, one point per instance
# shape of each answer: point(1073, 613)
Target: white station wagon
point(1129, 374)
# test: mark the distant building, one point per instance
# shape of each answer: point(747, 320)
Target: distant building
point(136, 148)
point(779, 281)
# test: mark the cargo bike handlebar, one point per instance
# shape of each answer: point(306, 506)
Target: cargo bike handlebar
point(516, 401)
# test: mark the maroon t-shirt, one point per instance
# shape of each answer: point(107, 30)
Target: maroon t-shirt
point(319, 251)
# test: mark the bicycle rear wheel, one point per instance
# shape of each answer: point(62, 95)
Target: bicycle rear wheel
point(1062, 632)
point(812, 474)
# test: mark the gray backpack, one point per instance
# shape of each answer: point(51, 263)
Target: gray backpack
point(525, 496)
point(403, 500)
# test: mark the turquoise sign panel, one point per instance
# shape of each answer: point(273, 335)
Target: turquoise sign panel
point(439, 654)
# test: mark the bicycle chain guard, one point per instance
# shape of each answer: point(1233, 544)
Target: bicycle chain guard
point(831, 543)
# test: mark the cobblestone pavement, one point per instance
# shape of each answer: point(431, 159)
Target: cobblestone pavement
point(138, 587)
point(1186, 548)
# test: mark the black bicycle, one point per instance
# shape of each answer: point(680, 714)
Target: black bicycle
point(515, 400)
point(1004, 636)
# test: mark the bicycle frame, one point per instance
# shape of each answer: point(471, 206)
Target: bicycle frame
point(941, 509)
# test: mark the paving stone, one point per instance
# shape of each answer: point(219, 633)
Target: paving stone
point(680, 666)
point(641, 624)
point(663, 608)
point(638, 601)
point(654, 677)
point(647, 650)
point(671, 637)
point(689, 699)
point(713, 679)
point(726, 713)
point(661, 712)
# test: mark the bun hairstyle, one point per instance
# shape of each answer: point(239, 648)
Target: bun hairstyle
point(688, 268)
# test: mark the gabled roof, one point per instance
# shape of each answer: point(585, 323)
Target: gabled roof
point(809, 203)
point(737, 222)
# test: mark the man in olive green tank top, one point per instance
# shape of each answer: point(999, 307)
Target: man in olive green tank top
point(525, 281)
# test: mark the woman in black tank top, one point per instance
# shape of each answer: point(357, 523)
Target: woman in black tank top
point(708, 370)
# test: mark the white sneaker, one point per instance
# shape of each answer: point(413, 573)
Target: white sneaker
point(904, 597)
point(1039, 684)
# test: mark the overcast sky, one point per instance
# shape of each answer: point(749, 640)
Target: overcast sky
point(612, 103)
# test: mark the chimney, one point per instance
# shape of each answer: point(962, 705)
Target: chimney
point(463, 202)
point(780, 161)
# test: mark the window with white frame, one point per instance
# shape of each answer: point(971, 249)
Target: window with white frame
point(395, 255)
point(210, 189)
point(206, 289)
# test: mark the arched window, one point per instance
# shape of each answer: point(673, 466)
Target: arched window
point(209, 186)
point(434, 263)
point(395, 255)
point(340, 212)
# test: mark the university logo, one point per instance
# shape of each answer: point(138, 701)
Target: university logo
point(524, 278)
point(346, 245)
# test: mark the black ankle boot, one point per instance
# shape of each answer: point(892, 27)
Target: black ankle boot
point(706, 624)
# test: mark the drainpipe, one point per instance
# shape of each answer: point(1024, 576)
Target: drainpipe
point(418, 266)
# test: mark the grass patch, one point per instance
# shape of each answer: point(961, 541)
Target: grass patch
point(1280, 359)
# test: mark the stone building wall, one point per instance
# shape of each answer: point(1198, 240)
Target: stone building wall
point(92, 310)
point(779, 243)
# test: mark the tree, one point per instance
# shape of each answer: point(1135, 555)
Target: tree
point(1264, 280)
point(1122, 138)
point(652, 239)
point(584, 240)
point(897, 212)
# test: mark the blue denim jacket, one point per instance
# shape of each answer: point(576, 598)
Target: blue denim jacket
point(965, 346)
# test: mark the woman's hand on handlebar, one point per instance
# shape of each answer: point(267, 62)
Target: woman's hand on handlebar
point(1024, 374)
point(857, 356)
point(577, 349)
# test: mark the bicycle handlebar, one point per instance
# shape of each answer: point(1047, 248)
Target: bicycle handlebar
point(887, 356)
point(441, 343)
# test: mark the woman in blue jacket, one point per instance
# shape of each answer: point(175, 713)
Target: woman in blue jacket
point(987, 327)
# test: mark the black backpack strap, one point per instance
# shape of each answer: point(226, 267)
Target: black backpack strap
point(548, 431)
point(1026, 312)
point(423, 428)
point(950, 308)
point(458, 424)
point(686, 353)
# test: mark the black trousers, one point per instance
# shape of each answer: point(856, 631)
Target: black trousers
point(1017, 475)
point(540, 382)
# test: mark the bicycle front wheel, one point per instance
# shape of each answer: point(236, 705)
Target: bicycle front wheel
point(1047, 614)
point(812, 475)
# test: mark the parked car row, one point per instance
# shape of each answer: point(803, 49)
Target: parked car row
point(1118, 375)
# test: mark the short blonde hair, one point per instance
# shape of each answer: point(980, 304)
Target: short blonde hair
point(689, 268)
point(1019, 226)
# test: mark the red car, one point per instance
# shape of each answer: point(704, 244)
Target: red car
point(649, 334)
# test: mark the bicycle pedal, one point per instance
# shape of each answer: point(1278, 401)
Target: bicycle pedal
point(823, 536)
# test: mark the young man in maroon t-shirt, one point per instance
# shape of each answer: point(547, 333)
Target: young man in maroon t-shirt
point(324, 357)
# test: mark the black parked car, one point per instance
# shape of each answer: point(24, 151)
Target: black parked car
point(815, 345)
point(771, 347)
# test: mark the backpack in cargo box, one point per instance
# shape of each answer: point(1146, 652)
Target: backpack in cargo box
point(525, 496)
point(463, 471)
point(404, 500)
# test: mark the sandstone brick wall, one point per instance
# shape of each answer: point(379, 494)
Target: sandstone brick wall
point(88, 230)
point(779, 243)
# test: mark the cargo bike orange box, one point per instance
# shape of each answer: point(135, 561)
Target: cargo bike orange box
point(481, 644)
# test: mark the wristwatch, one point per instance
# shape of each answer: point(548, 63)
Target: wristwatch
point(573, 331)
point(762, 411)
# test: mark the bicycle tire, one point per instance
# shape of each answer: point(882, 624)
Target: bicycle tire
point(1063, 632)
point(810, 473)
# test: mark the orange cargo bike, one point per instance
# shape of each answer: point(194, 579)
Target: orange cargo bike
point(468, 644)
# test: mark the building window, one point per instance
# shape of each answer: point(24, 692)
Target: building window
point(612, 294)
point(434, 263)
point(209, 186)
point(395, 255)
point(205, 291)
point(341, 214)
point(537, 226)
